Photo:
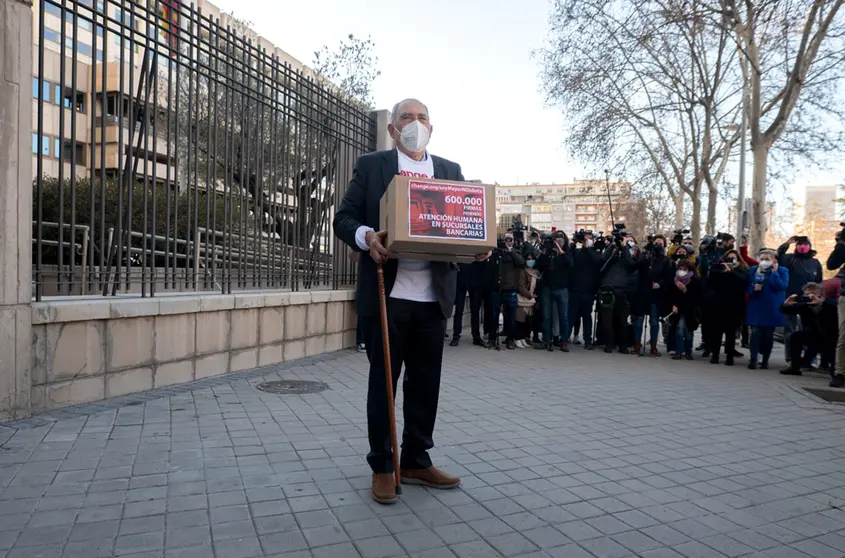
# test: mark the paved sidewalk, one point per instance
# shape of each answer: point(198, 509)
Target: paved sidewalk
point(566, 456)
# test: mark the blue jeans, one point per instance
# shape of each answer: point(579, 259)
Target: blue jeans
point(503, 300)
point(653, 324)
point(682, 343)
point(762, 341)
point(560, 299)
point(581, 308)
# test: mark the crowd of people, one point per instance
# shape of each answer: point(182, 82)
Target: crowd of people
point(614, 292)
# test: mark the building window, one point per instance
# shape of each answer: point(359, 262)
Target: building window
point(46, 91)
point(51, 35)
point(45, 146)
point(35, 87)
point(56, 147)
point(83, 49)
point(52, 9)
point(34, 144)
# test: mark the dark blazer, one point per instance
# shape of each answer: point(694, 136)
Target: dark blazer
point(360, 207)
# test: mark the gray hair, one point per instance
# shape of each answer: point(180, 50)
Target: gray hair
point(813, 286)
point(398, 106)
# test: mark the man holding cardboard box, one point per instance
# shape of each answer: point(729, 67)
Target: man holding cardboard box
point(421, 295)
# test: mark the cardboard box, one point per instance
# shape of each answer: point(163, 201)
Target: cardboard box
point(439, 220)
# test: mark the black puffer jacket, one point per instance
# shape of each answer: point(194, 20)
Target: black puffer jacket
point(836, 260)
point(803, 269)
point(555, 270)
point(584, 278)
point(504, 268)
point(726, 290)
point(619, 267)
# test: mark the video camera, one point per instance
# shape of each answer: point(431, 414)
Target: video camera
point(518, 232)
point(551, 238)
point(580, 236)
point(618, 232)
point(680, 234)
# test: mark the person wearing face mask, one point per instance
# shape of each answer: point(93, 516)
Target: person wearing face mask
point(684, 299)
point(767, 283)
point(420, 294)
point(583, 286)
point(803, 268)
point(526, 301)
point(724, 304)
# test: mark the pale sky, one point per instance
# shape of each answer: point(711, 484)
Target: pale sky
point(470, 61)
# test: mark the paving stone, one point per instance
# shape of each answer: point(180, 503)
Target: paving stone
point(664, 465)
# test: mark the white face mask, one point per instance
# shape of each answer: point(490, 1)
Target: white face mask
point(588, 243)
point(765, 264)
point(683, 273)
point(414, 136)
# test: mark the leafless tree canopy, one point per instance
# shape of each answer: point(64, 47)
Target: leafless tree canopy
point(653, 88)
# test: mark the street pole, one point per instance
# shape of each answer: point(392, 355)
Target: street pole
point(740, 202)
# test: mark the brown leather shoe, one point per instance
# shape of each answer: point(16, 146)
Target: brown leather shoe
point(384, 488)
point(431, 477)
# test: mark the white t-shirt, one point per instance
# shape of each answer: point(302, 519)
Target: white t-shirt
point(413, 278)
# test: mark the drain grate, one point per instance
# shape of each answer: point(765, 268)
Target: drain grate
point(292, 387)
point(829, 395)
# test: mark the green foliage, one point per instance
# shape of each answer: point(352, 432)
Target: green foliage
point(352, 67)
point(107, 207)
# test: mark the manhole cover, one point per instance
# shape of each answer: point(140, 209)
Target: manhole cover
point(829, 395)
point(292, 387)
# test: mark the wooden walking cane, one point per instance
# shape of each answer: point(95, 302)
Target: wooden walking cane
point(388, 373)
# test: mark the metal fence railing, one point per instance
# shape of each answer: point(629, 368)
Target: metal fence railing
point(173, 153)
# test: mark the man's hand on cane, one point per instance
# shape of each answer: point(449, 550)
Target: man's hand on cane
point(375, 240)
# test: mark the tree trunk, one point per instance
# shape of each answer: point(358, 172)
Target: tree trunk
point(679, 209)
point(695, 226)
point(758, 223)
point(712, 200)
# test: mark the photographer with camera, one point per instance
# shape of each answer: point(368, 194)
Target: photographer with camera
point(724, 304)
point(819, 331)
point(618, 267)
point(583, 285)
point(803, 268)
point(835, 261)
point(504, 267)
point(555, 266)
point(655, 274)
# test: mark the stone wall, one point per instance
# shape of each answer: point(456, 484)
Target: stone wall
point(88, 349)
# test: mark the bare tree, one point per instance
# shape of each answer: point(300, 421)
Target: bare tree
point(646, 87)
point(792, 59)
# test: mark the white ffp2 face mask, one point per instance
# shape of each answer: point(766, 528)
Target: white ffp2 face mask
point(414, 136)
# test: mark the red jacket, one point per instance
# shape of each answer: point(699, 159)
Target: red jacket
point(743, 251)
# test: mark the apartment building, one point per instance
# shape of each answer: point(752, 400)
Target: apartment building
point(82, 45)
point(582, 204)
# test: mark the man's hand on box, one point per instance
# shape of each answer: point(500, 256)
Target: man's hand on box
point(376, 240)
point(483, 256)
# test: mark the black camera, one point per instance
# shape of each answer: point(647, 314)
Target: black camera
point(803, 299)
point(679, 236)
point(618, 233)
point(580, 236)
